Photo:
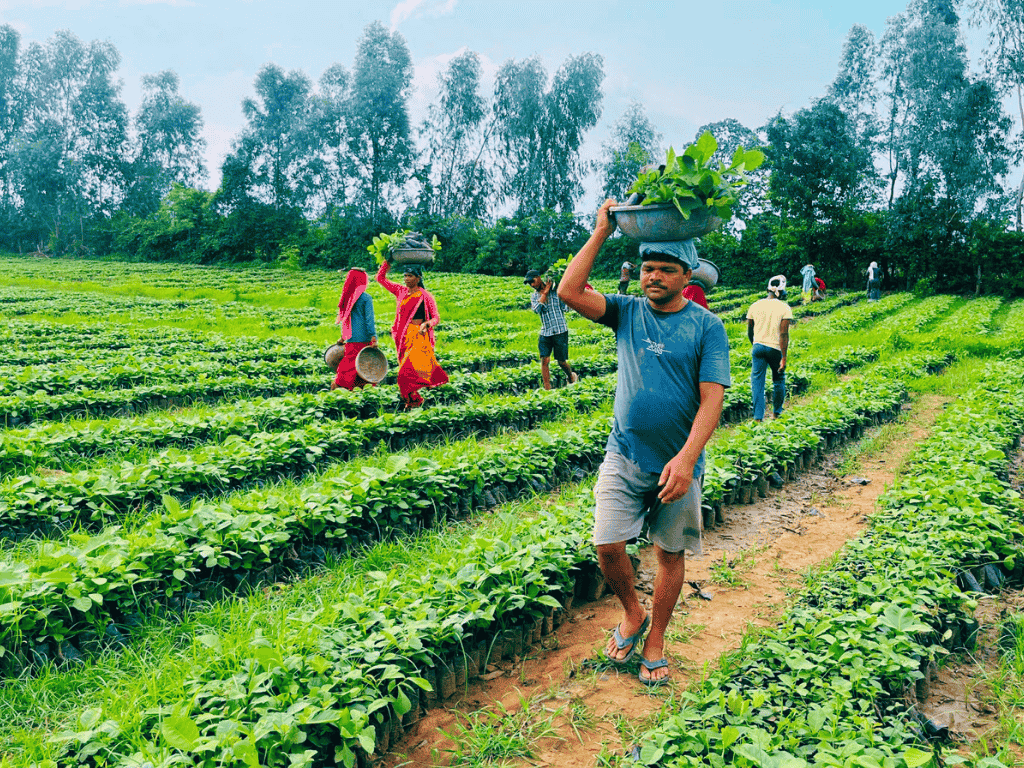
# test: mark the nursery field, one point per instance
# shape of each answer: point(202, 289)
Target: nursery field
point(208, 558)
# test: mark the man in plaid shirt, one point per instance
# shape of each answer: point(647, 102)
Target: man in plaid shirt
point(554, 333)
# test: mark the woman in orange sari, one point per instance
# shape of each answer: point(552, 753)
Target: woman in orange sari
point(416, 317)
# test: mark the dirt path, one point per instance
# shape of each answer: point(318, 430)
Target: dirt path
point(749, 567)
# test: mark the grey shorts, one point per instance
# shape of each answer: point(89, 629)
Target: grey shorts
point(627, 497)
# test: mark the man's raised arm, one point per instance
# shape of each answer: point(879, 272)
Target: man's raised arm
point(572, 288)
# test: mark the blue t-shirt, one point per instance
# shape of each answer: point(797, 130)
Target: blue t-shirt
point(663, 358)
point(363, 325)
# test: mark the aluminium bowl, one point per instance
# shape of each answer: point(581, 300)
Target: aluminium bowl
point(661, 222)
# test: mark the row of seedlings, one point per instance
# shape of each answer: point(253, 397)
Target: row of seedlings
point(47, 504)
point(837, 683)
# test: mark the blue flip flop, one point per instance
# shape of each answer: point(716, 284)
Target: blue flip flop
point(621, 642)
point(650, 666)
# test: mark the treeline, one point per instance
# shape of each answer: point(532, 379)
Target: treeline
point(904, 161)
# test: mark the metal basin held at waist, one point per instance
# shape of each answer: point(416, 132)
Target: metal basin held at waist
point(371, 365)
point(662, 222)
point(333, 355)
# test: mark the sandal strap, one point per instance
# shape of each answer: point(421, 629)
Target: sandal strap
point(653, 665)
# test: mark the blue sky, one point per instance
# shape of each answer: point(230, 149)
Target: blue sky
point(689, 63)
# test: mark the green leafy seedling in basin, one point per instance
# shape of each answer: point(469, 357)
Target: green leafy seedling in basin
point(689, 181)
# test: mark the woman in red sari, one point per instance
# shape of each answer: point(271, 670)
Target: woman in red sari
point(416, 317)
point(358, 330)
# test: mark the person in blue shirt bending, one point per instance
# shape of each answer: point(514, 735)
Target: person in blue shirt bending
point(673, 368)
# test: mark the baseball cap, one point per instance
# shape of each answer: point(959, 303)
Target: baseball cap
point(531, 275)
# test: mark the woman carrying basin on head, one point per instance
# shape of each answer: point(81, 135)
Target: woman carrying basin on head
point(416, 316)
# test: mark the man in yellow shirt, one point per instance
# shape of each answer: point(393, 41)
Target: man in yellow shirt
point(768, 322)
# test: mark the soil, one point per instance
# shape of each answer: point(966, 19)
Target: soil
point(763, 548)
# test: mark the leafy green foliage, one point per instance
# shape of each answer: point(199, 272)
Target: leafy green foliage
point(691, 181)
point(384, 245)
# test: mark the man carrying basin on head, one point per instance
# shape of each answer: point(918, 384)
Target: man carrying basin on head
point(673, 368)
point(768, 322)
point(554, 332)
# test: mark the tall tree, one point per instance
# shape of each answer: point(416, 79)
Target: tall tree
point(169, 143)
point(541, 130)
point(74, 151)
point(956, 137)
point(379, 137)
point(268, 161)
point(457, 132)
point(1004, 58)
point(12, 115)
point(635, 143)
point(337, 169)
point(855, 88)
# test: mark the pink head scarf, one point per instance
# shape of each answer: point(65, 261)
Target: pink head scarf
point(355, 285)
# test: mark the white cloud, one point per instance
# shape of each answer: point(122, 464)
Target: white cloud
point(409, 8)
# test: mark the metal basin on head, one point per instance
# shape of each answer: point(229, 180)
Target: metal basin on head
point(661, 222)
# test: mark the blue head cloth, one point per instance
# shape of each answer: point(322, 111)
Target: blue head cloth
point(683, 251)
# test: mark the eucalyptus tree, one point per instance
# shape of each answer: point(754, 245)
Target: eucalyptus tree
point(540, 129)
point(378, 129)
point(946, 135)
point(1004, 58)
point(855, 87)
point(12, 118)
point(457, 132)
point(336, 170)
point(73, 152)
point(634, 143)
point(947, 131)
point(268, 160)
point(169, 145)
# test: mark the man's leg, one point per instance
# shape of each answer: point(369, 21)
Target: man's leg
point(668, 582)
point(567, 369)
point(757, 370)
point(618, 517)
point(544, 347)
point(561, 350)
point(778, 386)
point(618, 574)
point(623, 287)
